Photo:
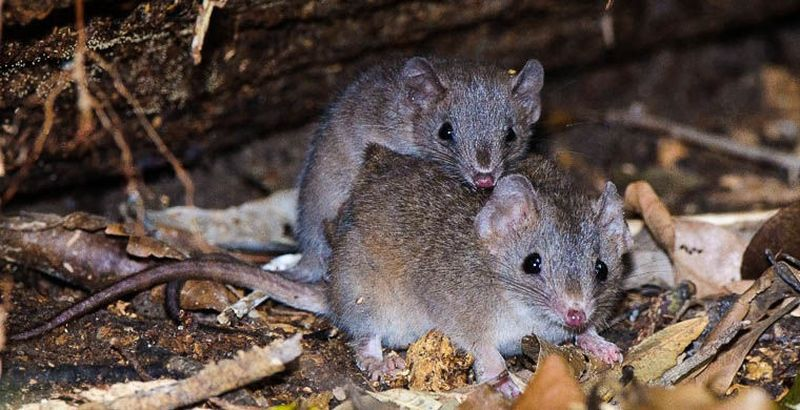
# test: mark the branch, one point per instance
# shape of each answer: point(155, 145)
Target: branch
point(637, 117)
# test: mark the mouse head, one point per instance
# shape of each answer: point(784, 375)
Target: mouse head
point(564, 260)
point(476, 119)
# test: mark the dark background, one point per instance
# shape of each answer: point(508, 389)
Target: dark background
point(240, 119)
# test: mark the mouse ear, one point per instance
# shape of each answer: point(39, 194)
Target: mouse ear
point(611, 218)
point(525, 88)
point(512, 203)
point(423, 85)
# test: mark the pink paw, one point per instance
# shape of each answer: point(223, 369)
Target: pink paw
point(378, 368)
point(506, 386)
point(601, 348)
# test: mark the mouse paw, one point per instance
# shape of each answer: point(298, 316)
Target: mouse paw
point(506, 386)
point(601, 348)
point(380, 368)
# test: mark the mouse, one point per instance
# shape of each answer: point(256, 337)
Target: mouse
point(415, 249)
point(472, 120)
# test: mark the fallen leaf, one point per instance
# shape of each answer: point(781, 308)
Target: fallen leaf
point(692, 397)
point(780, 234)
point(650, 358)
point(708, 255)
point(145, 246)
point(408, 399)
point(261, 225)
point(705, 254)
point(640, 198)
point(552, 387)
point(719, 374)
point(792, 398)
point(485, 397)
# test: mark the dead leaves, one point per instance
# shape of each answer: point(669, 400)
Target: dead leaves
point(781, 234)
point(706, 254)
point(552, 387)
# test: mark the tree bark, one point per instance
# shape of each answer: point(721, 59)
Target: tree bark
point(269, 65)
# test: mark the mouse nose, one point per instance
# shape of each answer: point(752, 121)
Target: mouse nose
point(483, 180)
point(575, 318)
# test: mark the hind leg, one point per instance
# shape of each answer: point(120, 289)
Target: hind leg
point(370, 359)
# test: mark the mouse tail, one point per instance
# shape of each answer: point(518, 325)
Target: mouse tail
point(303, 296)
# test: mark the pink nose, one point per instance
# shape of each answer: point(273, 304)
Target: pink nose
point(575, 318)
point(483, 180)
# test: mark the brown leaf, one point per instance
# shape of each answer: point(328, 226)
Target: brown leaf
point(552, 387)
point(719, 374)
point(692, 397)
point(652, 357)
point(640, 198)
point(145, 246)
point(485, 397)
point(781, 234)
point(84, 221)
point(706, 254)
point(205, 295)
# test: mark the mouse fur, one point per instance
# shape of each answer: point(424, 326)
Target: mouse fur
point(404, 105)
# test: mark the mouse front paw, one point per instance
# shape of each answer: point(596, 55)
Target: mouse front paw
point(601, 348)
point(381, 368)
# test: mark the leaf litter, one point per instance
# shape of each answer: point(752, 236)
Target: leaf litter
point(693, 362)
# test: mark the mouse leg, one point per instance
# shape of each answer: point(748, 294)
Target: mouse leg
point(369, 358)
point(491, 367)
point(310, 269)
point(596, 345)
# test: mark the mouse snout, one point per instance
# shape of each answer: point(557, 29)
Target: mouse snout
point(483, 180)
point(575, 318)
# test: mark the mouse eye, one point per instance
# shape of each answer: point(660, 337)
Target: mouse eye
point(532, 264)
point(601, 270)
point(446, 132)
point(511, 136)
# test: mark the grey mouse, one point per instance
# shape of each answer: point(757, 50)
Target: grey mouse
point(414, 250)
point(472, 120)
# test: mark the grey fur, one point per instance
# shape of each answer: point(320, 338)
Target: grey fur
point(401, 106)
point(412, 251)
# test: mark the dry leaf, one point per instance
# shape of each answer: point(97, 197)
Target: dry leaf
point(652, 357)
point(261, 225)
point(640, 198)
point(436, 365)
point(708, 255)
point(145, 246)
point(719, 374)
point(485, 397)
point(780, 234)
point(552, 387)
point(692, 397)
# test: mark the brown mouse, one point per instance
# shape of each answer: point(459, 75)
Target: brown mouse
point(471, 120)
point(414, 250)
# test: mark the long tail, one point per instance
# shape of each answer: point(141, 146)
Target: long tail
point(309, 297)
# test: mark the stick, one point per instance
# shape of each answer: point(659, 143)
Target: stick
point(705, 353)
point(637, 117)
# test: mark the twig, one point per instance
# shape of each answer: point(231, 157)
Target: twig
point(85, 101)
point(637, 117)
point(111, 123)
point(152, 134)
point(214, 379)
point(1, 25)
point(201, 27)
point(703, 354)
point(60, 84)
